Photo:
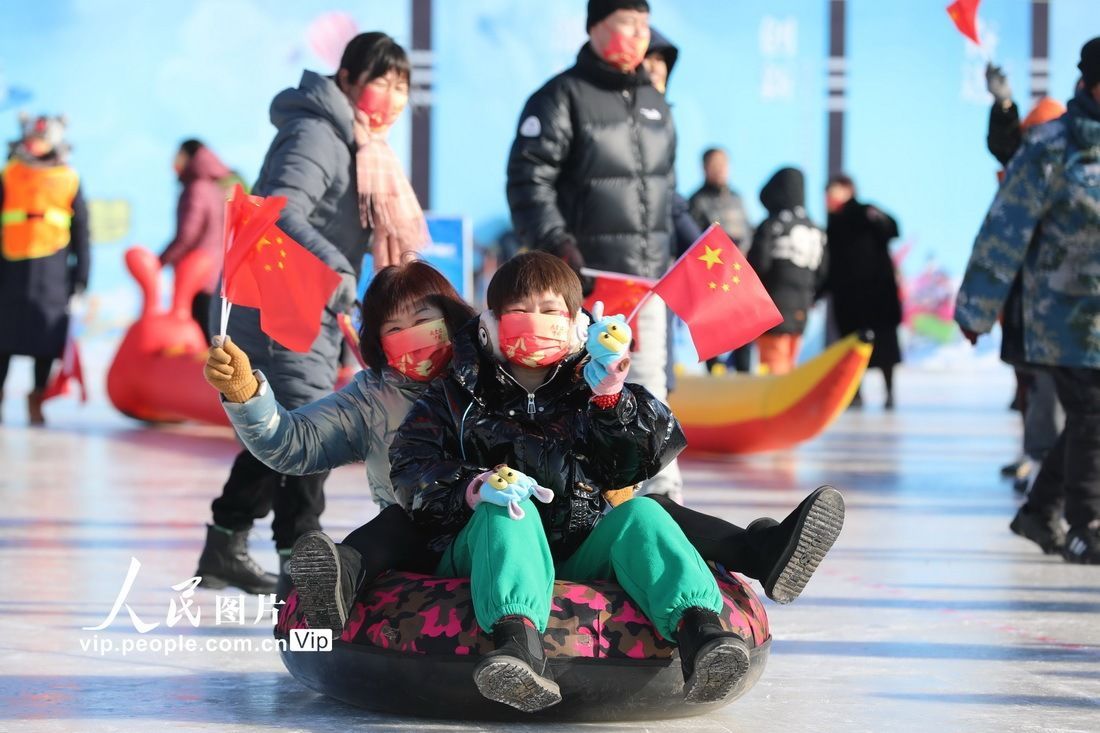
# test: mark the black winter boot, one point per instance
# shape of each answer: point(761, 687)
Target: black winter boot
point(515, 672)
point(788, 553)
point(1043, 528)
point(1083, 545)
point(225, 561)
point(327, 577)
point(713, 660)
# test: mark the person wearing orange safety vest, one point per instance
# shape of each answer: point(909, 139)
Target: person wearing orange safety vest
point(44, 251)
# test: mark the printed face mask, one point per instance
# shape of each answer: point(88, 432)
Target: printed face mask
point(534, 339)
point(377, 105)
point(421, 352)
point(625, 52)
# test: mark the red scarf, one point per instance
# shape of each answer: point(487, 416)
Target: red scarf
point(387, 203)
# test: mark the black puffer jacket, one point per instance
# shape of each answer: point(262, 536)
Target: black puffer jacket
point(477, 417)
point(1005, 135)
point(788, 251)
point(593, 161)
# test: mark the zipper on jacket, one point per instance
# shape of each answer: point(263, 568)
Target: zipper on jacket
point(531, 395)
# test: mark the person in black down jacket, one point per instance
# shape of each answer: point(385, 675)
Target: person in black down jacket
point(658, 63)
point(590, 175)
point(862, 279)
point(788, 253)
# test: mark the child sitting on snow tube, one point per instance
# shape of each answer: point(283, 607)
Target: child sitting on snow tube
point(359, 423)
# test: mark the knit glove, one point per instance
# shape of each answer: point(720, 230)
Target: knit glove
point(343, 297)
point(229, 371)
point(508, 487)
point(609, 351)
point(565, 246)
point(997, 83)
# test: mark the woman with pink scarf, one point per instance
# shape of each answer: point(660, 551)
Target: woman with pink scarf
point(346, 196)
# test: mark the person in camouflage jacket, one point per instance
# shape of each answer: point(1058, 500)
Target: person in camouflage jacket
point(1045, 224)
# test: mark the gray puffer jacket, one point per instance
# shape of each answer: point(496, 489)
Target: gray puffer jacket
point(358, 423)
point(311, 161)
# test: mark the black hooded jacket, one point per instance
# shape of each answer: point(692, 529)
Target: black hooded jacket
point(477, 417)
point(788, 251)
point(685, 229)
point(593, 162)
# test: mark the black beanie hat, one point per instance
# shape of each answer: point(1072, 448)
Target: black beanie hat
point(600, 9)
point(1089, 64)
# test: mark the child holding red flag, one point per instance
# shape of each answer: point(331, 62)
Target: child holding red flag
point(537, 407)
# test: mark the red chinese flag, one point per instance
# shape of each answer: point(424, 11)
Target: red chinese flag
point(268, 270)
point(964, 13)
point(719, 297)
point(619, 292)
point(70, 371)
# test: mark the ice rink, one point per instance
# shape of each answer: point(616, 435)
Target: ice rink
point(927, 616)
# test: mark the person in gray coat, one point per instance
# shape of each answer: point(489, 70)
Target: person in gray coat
point(315, 162)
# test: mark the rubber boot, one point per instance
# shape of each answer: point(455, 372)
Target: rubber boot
point(515, 672)
point(785, 555)
point(34, 408)
point(713, 660)
point(327, 576)
point(225, 561)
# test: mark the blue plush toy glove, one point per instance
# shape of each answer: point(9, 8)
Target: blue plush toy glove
point(609, 351)
point(508, 487)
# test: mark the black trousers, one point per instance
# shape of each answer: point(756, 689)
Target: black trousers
point(739, 359)
point(391, 541)
point(200, 311)
point(1069, 480)
point(717, 540)
point(43, 365)
point(253, 490)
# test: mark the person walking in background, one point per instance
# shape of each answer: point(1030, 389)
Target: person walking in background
point(591, 176)
point(330, 160)
point(1036, 396)
point(862, 279)
point(44, 251)
point(200, 218)
point(659, 60)
point(714, 202)
point(1045, 224)
point(658, 63)
point(788, 253)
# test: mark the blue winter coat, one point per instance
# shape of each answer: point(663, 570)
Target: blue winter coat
point(1052, 191)
point(358, 423)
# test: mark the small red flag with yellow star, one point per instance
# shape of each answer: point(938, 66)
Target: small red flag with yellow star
point(619, 293)
point(266, 269)
point(719, 297)
point(964, 14)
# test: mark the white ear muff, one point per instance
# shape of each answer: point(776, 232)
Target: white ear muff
point(488, 333)
point(579, 337)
